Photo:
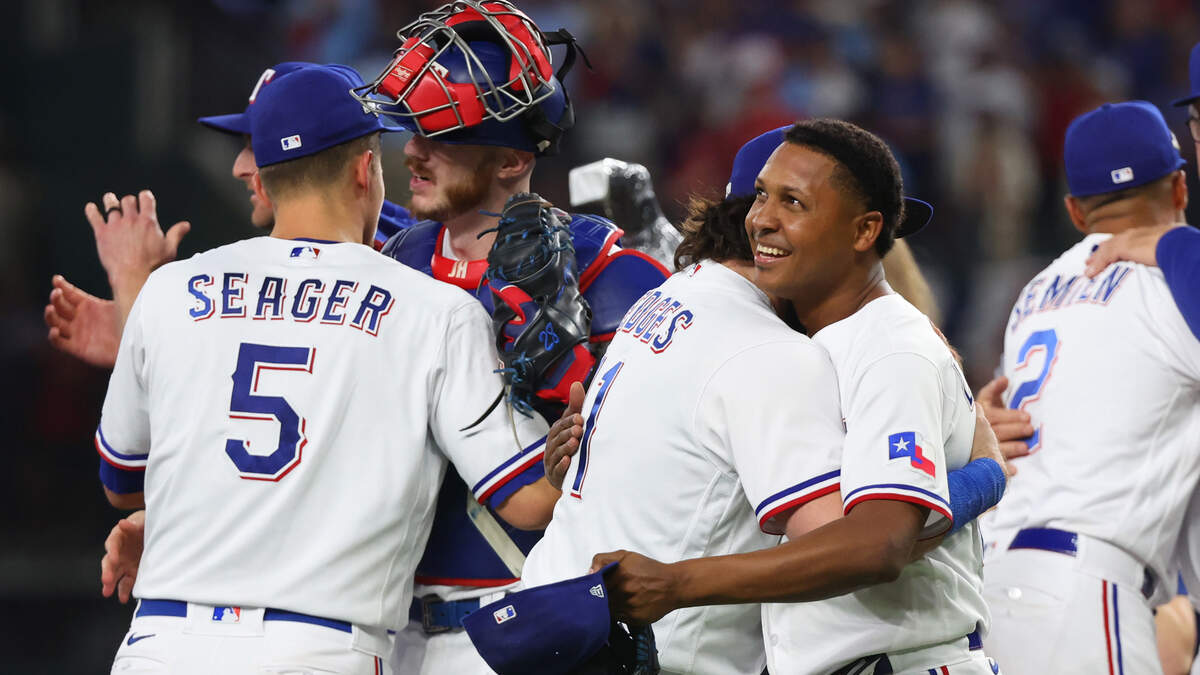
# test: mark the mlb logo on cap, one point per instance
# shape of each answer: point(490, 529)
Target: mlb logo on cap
point(290, 142)
point(504, 614)
point(1123, 175)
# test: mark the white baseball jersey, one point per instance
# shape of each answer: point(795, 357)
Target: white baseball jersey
point(1111, 376)
point(292, 405)
point(708, 421)
point(909, 420)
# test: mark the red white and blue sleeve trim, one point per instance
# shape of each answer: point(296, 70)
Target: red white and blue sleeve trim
point(772, 511)
point(897, 492)
point(492, 484)
point(123, 473)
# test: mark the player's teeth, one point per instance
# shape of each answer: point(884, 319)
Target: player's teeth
point(771, 250)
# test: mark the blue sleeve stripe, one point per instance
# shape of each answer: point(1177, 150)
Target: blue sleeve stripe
point(126, 460)
point(485, 485)
point(532, 474)
point(800, 487)
point(848, 497)
point(121, 481)
point(1178, 255)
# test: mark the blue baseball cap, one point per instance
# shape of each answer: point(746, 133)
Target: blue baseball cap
point(1194, 76)
point(751, 157)
point(548, 629)
point(1119, 146)
point(239, 123)
point(309, 110)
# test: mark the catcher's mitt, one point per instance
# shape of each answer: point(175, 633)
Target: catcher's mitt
point(540, 318)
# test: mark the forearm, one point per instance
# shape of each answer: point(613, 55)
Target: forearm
point(1178, 254)
point(125, 287)
point(866, 548)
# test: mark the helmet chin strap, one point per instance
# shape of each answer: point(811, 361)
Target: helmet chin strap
point(548, 133)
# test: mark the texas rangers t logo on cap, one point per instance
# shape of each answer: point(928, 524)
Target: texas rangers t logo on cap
point(290, 142)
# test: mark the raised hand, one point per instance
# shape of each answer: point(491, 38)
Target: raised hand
point(562, 441)
point(82, 325)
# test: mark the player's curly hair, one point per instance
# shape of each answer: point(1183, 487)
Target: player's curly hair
point(866, 170)
point(715, 230)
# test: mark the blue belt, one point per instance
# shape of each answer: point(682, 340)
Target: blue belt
point(439, 616)
point(178, 608)
point(1067, 543)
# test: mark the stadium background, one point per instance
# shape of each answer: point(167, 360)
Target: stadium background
point(973, 96)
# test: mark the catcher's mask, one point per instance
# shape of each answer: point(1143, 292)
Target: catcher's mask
point(479, 73)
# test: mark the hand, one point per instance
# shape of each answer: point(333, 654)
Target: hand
point(1139, 245)
point(1011, 427)
point(985, 443)
point(641, 590)
point(562, 441)
point(83, 325)
point(129, 240)
point(122, 555)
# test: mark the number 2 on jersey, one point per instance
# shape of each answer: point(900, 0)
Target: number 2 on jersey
point(1030, 390)
point(589, 427)
point(246, 404)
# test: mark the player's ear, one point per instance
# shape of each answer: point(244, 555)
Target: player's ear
point(362, 167)
point(514, 164)
point(1075, 211)
point(260, 191)
point(1179, 190)
point(866, 230)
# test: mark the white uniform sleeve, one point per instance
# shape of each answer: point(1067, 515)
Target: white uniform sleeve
point(123, 436)
point(465, 383)
point(1181, 345)
point(895, 447)
point(776, 407)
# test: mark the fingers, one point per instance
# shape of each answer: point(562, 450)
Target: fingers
point(109, 201)
point(1098, 260)
point(1013, 431)
point(575, 399)
point(1013, 449)
point(601, 559)
point(125, 588)
point(992, 393)
point(176, 234)
point(147, 205)
point(129, 206)
point(1004, 415)
point(93, 215)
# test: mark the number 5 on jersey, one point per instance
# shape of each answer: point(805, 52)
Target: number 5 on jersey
point(246, 404)
point(589, 427)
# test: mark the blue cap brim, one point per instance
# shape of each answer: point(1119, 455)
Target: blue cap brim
point(238, 123)
point(917, 214)
point(1187, 100)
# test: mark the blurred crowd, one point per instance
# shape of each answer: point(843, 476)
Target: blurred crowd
point(973, 95)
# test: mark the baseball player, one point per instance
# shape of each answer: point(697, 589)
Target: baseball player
point(1108, 369)
point(131, 244)
point(464, 171)
point(703, 432)
point(322, 513)
point(1173, 248)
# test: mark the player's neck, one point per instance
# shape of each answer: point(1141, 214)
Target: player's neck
point(465, 231)
point(1128, 214)
point(317, 216)
point(859, 288)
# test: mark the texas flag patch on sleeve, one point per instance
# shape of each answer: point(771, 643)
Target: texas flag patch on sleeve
point(907, 444)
